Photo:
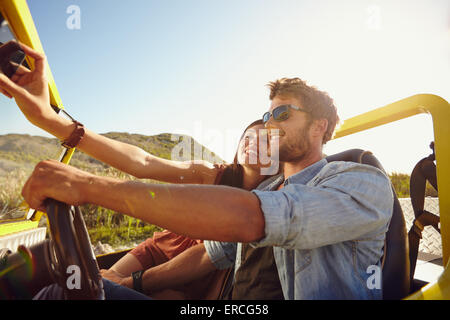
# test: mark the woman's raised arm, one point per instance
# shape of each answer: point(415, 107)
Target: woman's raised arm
point(30, 91)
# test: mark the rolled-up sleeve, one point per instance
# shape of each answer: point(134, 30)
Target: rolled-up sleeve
point(345, 201)
point(222, 254)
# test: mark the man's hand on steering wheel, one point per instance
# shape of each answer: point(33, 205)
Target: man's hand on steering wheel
point(53, 179)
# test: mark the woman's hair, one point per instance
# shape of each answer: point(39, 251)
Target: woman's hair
point(233, 174)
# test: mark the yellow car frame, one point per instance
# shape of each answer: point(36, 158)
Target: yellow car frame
point(21, 24)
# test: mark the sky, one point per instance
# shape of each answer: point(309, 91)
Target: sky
point(200, 67)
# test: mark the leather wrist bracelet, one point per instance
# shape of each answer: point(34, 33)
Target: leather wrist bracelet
point(75, 137)
point(137, 280)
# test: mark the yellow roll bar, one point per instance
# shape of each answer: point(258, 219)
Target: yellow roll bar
point(440, 112)
point(439, 109)
point(21, 24)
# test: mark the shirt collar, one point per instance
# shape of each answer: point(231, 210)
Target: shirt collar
point(301, 177)
point(271, 183)
point(304, 176)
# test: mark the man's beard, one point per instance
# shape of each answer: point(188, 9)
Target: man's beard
point(297, 150)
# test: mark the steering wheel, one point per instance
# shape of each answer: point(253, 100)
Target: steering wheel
point(70, 258)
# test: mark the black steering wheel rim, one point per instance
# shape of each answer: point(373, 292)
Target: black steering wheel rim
point(71, 253)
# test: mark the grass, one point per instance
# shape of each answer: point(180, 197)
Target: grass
point(10, 198)
point(122, 235)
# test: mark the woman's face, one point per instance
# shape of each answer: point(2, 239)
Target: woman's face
point(254, 149)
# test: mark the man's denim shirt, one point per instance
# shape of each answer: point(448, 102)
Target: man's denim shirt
point(327, 226)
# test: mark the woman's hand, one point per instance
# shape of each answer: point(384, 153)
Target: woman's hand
point(29, 88)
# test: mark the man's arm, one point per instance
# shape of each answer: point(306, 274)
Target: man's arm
point(346, 201)
point(201, 212)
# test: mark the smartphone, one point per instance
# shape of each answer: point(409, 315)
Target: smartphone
point(11, 57)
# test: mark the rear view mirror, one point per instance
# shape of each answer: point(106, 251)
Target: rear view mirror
point(11, 56)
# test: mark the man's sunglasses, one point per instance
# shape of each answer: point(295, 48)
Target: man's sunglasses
point(281, 113)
